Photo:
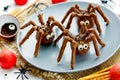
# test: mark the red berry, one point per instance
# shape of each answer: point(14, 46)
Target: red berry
point(20, 2)
point(115, 72)
point(7, 59)
point(57, 1)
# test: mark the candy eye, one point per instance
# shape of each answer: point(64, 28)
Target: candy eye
point(82, 22)
point(12, 27)
point(48, 37)
point(80, 47)
point(52, 34)
point(85, 46)
point(87, 22)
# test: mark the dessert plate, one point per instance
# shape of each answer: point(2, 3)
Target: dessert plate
point(47, 58)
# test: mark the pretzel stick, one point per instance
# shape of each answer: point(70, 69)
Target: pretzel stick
point(106, 74)
point(15, 11)
point(104, 70)
point(99, 72)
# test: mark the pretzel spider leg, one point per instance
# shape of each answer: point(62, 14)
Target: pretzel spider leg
point(59, 25)
point(41, 19)
point(98, 9)
point(93, 15)
point(102, 14)
point(93, 38)
point(68, 25)
point(73, 48)
point(37, 47)
point(72, 9)
point(51, 18)
point(92, 30)
point(27, 35)
point(77, 8)
point(27, 24)
point(62, 48)
point(71, 18)
point(90, 7)
point(58, 38)
point(83, 28)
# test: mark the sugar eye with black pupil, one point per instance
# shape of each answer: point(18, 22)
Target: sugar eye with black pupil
point(85, 46)
point(48, 37)
point(87, 22)
point(80, 47)
point(11, 27)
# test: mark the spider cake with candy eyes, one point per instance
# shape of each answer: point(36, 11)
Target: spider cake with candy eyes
point(89, 16)
point(80, 43)
point(44, 32)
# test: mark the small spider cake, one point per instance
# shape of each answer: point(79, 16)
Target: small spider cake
point(80, 43)
point(48, 35)
point(87, 15)
point(44, 35)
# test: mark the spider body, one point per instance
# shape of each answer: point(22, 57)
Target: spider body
point(48, 35)
point(87, 20)
point(83, 46)
point(44, 32)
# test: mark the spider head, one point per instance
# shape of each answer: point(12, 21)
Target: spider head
point(83, 47)
point(88, 21)
point(48, 36)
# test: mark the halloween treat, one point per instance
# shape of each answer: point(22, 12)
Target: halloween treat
point(88, 16)
point(8, 29)
point(45, 34)
point(80, 43)
point(9, 26)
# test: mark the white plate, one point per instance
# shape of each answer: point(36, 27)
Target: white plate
point(47, 58)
